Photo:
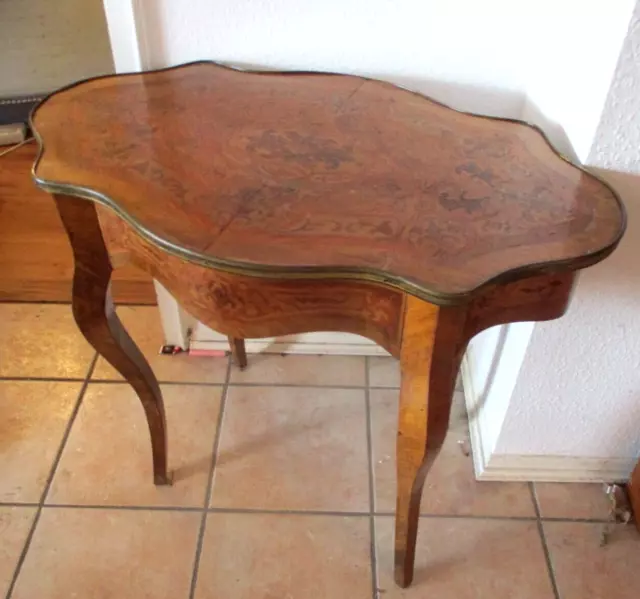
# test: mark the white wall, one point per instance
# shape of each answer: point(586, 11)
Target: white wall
point(579, 388)
point(550, 62)
point(490, 372)
point(578, 393)
point(46, 44)
point(572, 57)
point(423, 44)
point(616, 146)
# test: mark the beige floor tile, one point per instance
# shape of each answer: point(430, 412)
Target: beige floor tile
point(42, 341)
point(458, 419)
point(143, 324)
point(246, 556)
point(347, 371)
point(459, 558)
point(384, 372)
point(107, 458)
point(293, 448)
point(15, 523)
point(572, 500)
point(451, 487)
point(34, 417)
point(584, 570)
point(110, 554)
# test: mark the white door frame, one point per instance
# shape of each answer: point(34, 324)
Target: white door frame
point(126, 34)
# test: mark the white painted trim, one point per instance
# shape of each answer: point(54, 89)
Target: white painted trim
point(548, 468)
point(176, 323)
point(471, 398)
point(141, 23)
point(557, 468)
point(128, 26)
point(122, 25)
point(275, 346)
point(304, 343)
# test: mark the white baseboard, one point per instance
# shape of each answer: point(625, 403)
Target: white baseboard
point(557, 468)
point(257, 346)
point(307, 343)
point(471, 395)
point(548, 468)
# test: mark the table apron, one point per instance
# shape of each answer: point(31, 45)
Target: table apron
point(253, 307)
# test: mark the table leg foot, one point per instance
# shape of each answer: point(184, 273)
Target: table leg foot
point(403, 574)
point(404, 555)
point(163, 479)
point(238, 352)
point(411, 482)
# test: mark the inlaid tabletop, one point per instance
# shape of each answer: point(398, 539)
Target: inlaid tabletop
point(303, 174)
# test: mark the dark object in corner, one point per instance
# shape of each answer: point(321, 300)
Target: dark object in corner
point(16, 110)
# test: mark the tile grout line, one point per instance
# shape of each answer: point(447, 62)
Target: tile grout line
point(372, 523)
point(273, 512)
point(52, 472)
point(543, 540)
point(242, 384)
point(192, 383)
point(268, 512)
point(126, 508)
point(207, 498)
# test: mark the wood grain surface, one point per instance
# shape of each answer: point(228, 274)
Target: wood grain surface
point(282, 174)
point(36, 263)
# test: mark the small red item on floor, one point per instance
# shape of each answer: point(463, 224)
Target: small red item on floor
point(170, 350)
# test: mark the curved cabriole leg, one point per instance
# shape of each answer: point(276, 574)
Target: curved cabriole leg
point(430, 356)
point(95, 315)
point(238, 352)
point(433, 342)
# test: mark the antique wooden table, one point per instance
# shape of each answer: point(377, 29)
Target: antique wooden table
point(276, 203)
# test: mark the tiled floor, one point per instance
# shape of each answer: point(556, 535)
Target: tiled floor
point(298, 501)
